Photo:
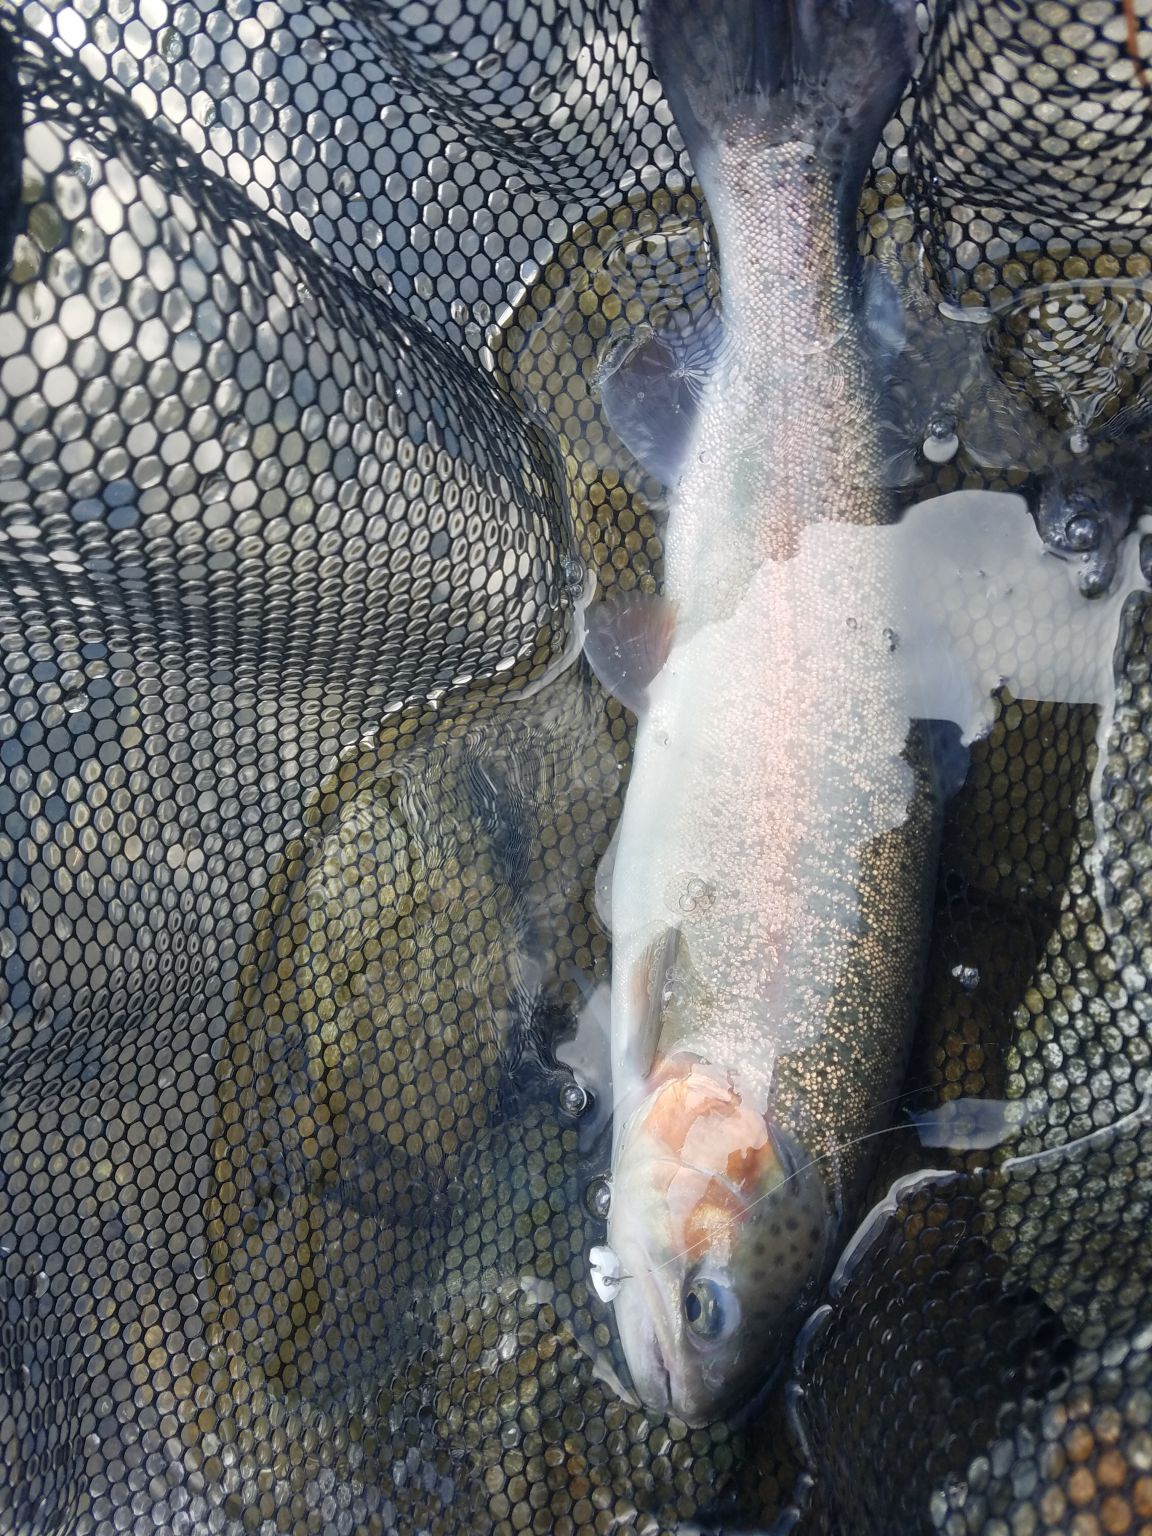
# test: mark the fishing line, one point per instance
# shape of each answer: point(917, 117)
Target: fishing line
point(1141, 1114)
point(888, 1130)
point(726, 1221)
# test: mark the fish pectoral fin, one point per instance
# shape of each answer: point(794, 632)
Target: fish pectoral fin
point(665, 990)
point(651, 984)
point(627, 641)
point(981, 604)
point(602, 891)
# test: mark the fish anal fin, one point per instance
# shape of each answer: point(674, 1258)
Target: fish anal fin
point(627, 641)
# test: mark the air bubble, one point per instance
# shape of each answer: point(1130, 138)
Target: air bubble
point(575, 1100)
point(573, 574)
point(1082, 532)
point(598, 1198)
point(235, 435)
point(940, 441)
point(696, 896)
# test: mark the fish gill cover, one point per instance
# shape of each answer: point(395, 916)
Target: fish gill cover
point(304, 481)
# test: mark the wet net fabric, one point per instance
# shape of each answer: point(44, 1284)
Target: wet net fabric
point(303, 480)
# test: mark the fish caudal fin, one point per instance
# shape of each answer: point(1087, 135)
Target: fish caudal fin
point(825, 71)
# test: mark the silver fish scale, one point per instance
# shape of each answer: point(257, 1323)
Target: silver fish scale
point(814, 890)
point(299, 331)
point(796, 420)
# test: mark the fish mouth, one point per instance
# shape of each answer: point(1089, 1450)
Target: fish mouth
point(644, 1349)
point(659, 1394)
point(659, 1388)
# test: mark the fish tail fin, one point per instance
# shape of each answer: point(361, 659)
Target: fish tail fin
point(829, 72)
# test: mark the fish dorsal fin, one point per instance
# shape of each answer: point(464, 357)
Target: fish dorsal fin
point(627, 641)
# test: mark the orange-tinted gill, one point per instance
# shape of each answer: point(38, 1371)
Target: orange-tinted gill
point(748, 1168)
point(679, 1105)
point(709, 1224)
point(1133, 40)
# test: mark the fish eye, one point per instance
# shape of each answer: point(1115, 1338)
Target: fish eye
point(704, 1309)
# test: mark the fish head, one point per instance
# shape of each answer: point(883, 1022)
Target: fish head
point(723, 1227)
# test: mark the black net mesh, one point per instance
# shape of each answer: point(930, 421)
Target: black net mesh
point(303, 478)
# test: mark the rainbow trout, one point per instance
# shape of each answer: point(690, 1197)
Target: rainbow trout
point(769, 892)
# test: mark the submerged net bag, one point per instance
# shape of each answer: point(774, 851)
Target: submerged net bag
point(303, 481)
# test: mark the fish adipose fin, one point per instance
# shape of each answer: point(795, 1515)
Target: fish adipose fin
point(826, 71)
